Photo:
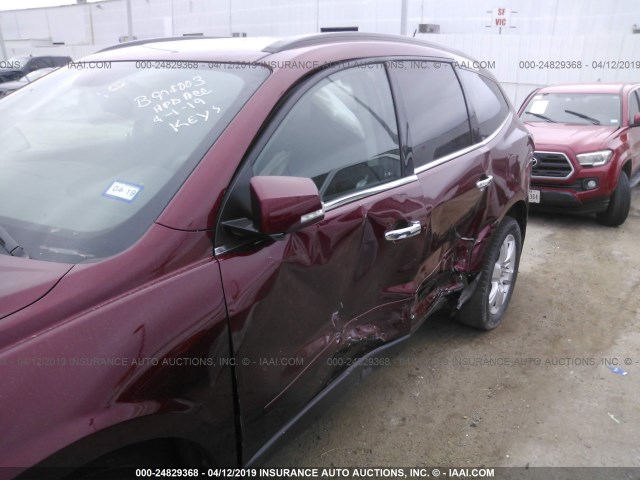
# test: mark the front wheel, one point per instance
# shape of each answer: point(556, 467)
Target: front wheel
point(486, 307)
point(619, 204)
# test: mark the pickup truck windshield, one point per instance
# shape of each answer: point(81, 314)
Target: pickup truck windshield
point(90, 157)
point(574, 108)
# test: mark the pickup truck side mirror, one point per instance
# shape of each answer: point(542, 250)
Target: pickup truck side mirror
point(636, 120)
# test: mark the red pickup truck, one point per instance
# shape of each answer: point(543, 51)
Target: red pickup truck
point(587, 148)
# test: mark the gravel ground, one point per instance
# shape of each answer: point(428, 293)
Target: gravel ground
point(550, 397)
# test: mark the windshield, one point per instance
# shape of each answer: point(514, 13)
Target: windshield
point(90, 158)
point(30, 77)
point(574, 108)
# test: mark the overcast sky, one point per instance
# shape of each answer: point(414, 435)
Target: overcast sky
point(18, 4)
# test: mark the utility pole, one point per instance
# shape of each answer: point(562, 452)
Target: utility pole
point(129, 22)
point(403, 17)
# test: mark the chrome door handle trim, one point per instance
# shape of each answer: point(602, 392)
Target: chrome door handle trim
point(412, 230)
point(484, 183)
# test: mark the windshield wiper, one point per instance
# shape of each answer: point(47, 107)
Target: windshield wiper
point(595, 121)
point(11, 246)
point(541, 116)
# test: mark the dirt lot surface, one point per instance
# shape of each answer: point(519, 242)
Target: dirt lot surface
point(536, 391)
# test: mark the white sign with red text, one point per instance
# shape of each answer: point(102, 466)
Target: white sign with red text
point(501, 17)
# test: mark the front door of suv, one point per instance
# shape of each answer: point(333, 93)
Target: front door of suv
point(303, 307)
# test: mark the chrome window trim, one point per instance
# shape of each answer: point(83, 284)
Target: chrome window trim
point(333, 204)
point(466, 150)
point(222, 249)
point(312, 216)
point(338, 202)
point(557, 178)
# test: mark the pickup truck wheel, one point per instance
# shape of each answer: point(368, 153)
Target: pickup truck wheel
point(619, 204)
point(486, 307)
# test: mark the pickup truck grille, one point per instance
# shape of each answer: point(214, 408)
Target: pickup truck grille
point(552, 164)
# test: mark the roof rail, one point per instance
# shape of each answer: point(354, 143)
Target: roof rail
point(134, 43)
point(328, 38)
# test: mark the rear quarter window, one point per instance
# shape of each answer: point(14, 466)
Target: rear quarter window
point(486, 100)
point(435, 107)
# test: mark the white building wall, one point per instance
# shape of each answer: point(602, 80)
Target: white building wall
point(533, 17)
point(108, 23)
point(569, 30)
point(70, 25)
point(518, 79)
point(273, 17)
point(29, 24)
point(202, 16)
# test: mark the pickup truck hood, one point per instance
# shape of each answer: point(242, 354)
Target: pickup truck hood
point(24, 281)
point(580, 138)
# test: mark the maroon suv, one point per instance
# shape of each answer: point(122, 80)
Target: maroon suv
point(205, 238)
point(587, 155)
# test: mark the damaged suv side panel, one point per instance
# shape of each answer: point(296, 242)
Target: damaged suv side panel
point(232, 240)
point(404, 230)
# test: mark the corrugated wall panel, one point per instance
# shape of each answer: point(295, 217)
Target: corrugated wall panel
point(58, 20)
point(31, 24)
point(109, 23)
point(149, 18)
point(274, 18)
point(536, 53)
point(587, 31)
point(191, 17)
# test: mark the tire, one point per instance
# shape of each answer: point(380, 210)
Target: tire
point(122, 464)
point(487, 305)
point(619, 204)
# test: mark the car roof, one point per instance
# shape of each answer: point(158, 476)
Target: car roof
point(329, 46)
point(615, 88)
point(188, 49)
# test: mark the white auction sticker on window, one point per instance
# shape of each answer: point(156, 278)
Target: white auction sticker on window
point(539, 106)
point(123, 191)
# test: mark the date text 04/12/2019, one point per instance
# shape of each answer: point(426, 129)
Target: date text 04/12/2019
point(351, 472)
point(579, 64)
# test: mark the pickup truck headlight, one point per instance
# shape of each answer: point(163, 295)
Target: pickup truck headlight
point(594, 159)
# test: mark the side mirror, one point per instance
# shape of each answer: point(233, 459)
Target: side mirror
point(284, 204)
point(636, 120)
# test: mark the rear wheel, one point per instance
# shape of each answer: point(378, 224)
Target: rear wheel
point(619, 204)
point(486, 307)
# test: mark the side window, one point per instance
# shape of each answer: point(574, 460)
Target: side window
point(59, 61)
point(38, 63)
point(436, 110)
point(31, 66)
point(342, 134)
point(634, 105)
point(487, 100)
